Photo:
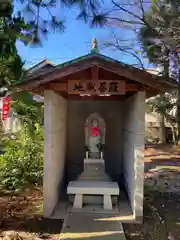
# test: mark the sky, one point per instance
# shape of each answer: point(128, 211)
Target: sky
point(74, 42)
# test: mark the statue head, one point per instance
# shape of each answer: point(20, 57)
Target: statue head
point(94, 123)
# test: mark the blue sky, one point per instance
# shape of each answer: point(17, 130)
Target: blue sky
point(74, 42)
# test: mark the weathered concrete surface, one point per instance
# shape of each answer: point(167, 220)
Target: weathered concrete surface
point(54, 148)
point(94, 170)
point(81, 226)
point(133, 150)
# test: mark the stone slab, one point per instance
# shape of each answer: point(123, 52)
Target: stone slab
point(81, 226)
point(93, 161)
point(93, 188)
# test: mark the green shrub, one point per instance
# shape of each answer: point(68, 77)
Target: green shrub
point(22, 161)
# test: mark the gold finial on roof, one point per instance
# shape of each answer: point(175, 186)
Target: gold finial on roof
point(94, 45)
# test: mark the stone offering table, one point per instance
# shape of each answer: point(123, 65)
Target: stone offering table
point(81, 188)
point(93, 186)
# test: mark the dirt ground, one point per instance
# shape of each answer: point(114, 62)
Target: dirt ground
point(162, 196)
point(22, 211)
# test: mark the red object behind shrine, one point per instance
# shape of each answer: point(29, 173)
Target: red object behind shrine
point(5, 108)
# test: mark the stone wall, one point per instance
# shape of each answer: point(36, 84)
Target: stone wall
point(133, 157)
point(78, 112)
point(54, 148)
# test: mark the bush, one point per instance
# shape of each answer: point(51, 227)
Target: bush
point(21, 163)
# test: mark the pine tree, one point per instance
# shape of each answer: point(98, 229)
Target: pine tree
point(157, 44)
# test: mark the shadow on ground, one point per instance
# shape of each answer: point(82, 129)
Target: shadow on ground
point(42, 227)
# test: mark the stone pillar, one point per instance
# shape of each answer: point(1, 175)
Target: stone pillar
point(133, 150)
point(55, 119)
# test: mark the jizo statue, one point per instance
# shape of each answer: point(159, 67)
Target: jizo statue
point(95, 128)
point(94, 137)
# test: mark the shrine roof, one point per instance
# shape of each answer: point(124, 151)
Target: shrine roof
point(92, 59)
point(41, 65)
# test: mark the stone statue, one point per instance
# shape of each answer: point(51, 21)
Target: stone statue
point(95, 128)
point(94, 137)
point(94, 45)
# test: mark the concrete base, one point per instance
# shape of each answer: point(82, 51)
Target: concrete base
point(121, 211)
point(94, 170)
point(91, 226)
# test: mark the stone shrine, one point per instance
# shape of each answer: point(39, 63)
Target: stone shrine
point(94, 108)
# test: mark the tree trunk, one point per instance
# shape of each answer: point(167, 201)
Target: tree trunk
point(174, 135)
point(161, 118)
point(161, 129)
point(178, 116)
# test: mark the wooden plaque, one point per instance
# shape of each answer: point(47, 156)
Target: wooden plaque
point(100, 87)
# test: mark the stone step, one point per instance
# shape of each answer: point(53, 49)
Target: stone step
point(97, 178)
point(90, 226)
point(94, 175)
point(94, 179)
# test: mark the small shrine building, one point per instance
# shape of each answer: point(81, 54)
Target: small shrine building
point(94, 108)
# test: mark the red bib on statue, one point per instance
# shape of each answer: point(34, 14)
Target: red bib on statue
point(94, 131)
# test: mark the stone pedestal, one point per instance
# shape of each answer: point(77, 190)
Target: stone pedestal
point(94, 170)
point(94, 175)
